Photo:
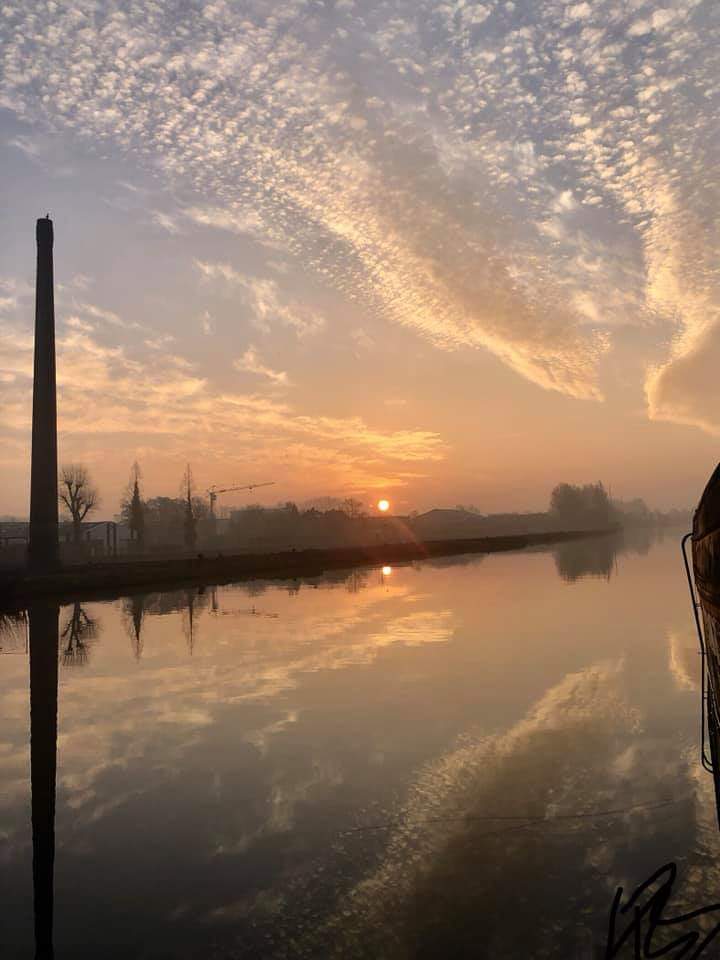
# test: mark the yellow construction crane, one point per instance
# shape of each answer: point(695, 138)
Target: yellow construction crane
point(213, 492)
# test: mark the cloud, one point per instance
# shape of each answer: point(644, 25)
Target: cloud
point(684, 659)
point(685, 389)
point(579, 11)
point(27, 146)
point(362, 339)
point(403, 152)
point(79, 281)
point(232, 219)
point(166, 222)
point(263, 116)
point(106, 317)
point(264, 300)
point(229, 219)
point(250, 362)
point(169, 692)
point(111, 404)
point(160, 342)
point(207, 323)
point(532, 798)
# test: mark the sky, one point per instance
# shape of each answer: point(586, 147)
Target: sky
point(440, 252)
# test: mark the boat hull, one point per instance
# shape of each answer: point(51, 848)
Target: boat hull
point(706, 574)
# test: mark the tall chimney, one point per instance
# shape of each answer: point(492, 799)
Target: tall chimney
point(43, 546)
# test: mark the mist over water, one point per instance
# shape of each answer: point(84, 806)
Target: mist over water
point(457, 758)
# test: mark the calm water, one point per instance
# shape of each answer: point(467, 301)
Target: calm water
point(456, 759)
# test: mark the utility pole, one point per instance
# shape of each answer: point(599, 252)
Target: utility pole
point(43, 550)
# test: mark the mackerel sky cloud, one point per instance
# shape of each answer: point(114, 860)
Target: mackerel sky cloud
point(523, 196)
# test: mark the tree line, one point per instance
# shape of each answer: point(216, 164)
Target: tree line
point(79, 496)
point(590, 506)
point(189, 518)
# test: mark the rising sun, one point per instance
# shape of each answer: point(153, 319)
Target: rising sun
point(383, 505)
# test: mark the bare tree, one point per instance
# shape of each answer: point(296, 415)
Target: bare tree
point(353, 508)
point(80, 630)
point(78, 495)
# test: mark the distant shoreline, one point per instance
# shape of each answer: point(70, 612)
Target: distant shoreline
point(110, 579)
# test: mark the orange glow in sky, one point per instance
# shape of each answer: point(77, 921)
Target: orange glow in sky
point(383, 505)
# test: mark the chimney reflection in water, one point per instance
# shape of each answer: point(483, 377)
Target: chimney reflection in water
point(43, 620)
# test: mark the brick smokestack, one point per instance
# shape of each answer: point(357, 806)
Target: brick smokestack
point(43, 546)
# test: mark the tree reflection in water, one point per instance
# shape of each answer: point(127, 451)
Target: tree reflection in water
point(133, 615)
point(78, 634)
point(596, 557)
point(13, 632)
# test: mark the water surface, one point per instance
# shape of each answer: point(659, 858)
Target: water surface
point(461, 758)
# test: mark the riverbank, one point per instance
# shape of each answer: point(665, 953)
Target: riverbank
point(106, 579)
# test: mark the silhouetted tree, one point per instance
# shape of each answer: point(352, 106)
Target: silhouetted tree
point(78, 495)
point(189, 522)
point(137, 516)
point(163, 517)
point(132, 509)
point(587, 506)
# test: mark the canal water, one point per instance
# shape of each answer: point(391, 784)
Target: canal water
point(460, 758)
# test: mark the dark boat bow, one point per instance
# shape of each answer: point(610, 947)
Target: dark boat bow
point(705, 539)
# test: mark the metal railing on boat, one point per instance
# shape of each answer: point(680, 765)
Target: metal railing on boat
point(704, 682)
